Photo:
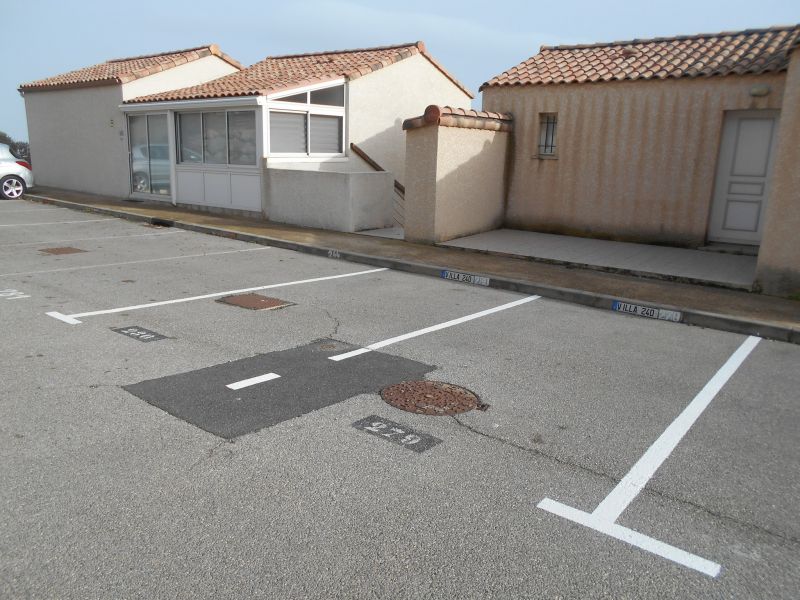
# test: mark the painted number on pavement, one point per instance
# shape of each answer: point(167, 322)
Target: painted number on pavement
point(647, 311)
point(464, 277)
point(12, 294)
point(139, 333)
point(397, 433)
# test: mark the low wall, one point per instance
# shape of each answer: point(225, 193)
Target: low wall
point(328, 200)
point(455, 173)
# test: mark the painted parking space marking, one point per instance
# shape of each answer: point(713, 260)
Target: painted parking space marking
point(604, 517)
point(432, 328)
point(101, 237)
point(134, 262)
point(650, 312)
point(56, 223)
point(139, 333)
point(238, 385)
point(28, 210)
point(73, 319)
point(203, 398)
point(12, 294)
point(464, 277)
point(399, 434)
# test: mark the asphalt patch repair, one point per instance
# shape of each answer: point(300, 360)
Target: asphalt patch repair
point(308, 381)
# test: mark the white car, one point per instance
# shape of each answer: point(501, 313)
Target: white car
point(16, 175)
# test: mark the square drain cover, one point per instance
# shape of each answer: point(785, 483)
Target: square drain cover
point(255, 301)
point(63, 250)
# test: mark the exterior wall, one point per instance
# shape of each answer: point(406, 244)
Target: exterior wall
point(378, 103)
point(78, 140)
point(456, 182)
point(192, 73)
point(778, 270)
point(326, 200)
point(636, 160)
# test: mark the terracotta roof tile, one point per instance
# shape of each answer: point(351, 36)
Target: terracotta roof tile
point(468, 118)
point(123, 70)
point(752, 51)
point(279, 73)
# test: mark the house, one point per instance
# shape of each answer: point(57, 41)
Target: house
point(308, 139)
point(77, 131)
point(688, 141)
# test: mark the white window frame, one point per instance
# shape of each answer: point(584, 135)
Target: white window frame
point(274, 104)
point(215, 166)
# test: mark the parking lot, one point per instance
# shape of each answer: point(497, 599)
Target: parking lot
point(158, 442)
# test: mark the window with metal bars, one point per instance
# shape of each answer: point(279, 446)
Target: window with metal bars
point(547, 134)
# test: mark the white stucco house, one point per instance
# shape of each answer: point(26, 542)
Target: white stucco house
point(77, 131)
point(310, 139)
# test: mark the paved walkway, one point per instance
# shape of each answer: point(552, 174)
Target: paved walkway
point(729, 270)
point(727, 309)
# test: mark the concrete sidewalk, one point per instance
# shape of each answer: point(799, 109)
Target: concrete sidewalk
point(645, 260)
point(729, 310)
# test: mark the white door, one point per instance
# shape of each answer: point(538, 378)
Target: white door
point(742, 183)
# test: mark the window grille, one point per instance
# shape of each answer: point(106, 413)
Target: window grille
point(547, 134)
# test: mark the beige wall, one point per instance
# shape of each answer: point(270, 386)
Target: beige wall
point(455, 182)
point(636, 160)
point(379, 102)
point(78, 139)
point(192, 73)
point(778, 270)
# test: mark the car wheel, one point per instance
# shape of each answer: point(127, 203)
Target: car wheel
point(12, 187)
point(141, 183)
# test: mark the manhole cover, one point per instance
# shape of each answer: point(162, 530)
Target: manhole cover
point(431, 398)
point(255, 301)
point(64, 250)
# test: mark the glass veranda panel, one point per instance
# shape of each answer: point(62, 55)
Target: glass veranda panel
point(287, 133)
point(140, 154)
point(215, 138)
point(190, 132)
point(242, 137)
point(326, 134)
point(158, 151)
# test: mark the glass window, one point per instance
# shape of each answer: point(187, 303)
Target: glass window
point(547, 134)
point(301, 98)
point(326, 134)
point(215, 138)
point(158, 152)
point(242, 137)
point(287, 132)
point(333, 96)
point(190, 147)
point(140, 156)
point(149, 146)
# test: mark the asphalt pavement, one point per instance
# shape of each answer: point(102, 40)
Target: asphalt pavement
point(133, 470)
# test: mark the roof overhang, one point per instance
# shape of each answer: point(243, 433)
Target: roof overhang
point(194, 104)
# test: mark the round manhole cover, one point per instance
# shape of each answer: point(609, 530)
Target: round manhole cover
point(431, 398)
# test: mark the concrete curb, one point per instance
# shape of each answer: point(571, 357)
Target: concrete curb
point(688, 316)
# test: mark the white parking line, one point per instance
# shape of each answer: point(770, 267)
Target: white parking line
point(134, 262)
point(101, 237)
point(73, 319)
point(432, 328)
point(603, 518)
point(26, 210)
point(56, 223)
point(252, 381)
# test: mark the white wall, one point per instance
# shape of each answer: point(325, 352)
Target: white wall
point(78, 140)
point(380, 101)
point(192, 73)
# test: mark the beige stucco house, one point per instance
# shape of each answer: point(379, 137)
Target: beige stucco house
point(690, 140)
point(77, 131)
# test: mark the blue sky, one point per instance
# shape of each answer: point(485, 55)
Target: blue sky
point(475, 40)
